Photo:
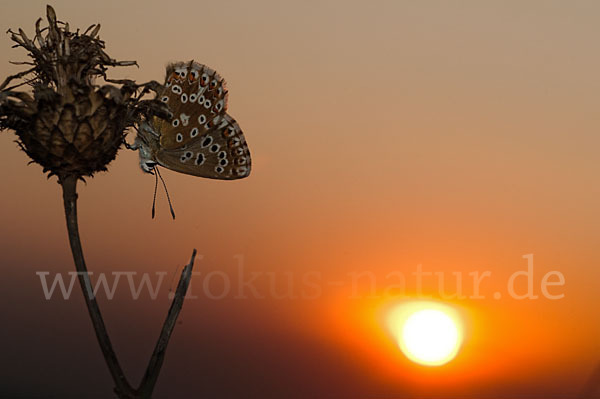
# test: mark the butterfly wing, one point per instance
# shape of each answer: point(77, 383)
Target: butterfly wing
point(197, 98)
point(220, 153)
point(201, 139)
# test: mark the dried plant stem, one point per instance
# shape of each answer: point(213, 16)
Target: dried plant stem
point(122, 387)
point(158, 356)
point(69, 185)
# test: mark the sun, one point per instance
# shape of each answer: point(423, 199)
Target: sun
point(427, 333)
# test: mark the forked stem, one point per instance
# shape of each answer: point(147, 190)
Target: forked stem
point(122, 387)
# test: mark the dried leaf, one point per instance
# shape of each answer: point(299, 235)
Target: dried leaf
point(95, 31)
point(51, 14)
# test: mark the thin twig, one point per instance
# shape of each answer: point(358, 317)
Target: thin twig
point(15, 76)
point(158, 356)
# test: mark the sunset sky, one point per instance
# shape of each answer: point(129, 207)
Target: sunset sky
point(459, 136)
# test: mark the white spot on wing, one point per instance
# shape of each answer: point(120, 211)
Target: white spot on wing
point(185, 119)
point(206, 141)
point(176, 89)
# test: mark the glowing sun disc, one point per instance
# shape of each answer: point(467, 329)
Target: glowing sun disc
point(427, 333)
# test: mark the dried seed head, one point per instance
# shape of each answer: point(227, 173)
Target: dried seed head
point(68, 124)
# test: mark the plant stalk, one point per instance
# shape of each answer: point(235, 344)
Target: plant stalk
point(122, 388)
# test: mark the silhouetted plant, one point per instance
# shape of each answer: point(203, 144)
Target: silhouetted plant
point(74, 128)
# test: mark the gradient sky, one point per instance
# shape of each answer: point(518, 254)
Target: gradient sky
point(456, 135)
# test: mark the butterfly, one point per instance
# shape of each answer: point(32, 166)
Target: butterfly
point(199, 137)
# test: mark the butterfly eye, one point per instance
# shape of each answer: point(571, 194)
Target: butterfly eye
point(179, 137)
point(206, 142)
point(164, 99)
point(207, 104)
point(202, 119)
point(194, 132)
point(192, 98)
point(176, 89)
point(200, 159)
point(219, 169)
point(215, 148)
point(175, 122)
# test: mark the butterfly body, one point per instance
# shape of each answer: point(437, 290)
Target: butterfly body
point(200, 138)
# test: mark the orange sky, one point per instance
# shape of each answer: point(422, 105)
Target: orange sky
point(456, 135)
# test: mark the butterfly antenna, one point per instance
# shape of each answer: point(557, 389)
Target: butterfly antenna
point(166, 191)
point(155, 187)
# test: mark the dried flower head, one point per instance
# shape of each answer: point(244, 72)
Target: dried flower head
point(66, 123)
